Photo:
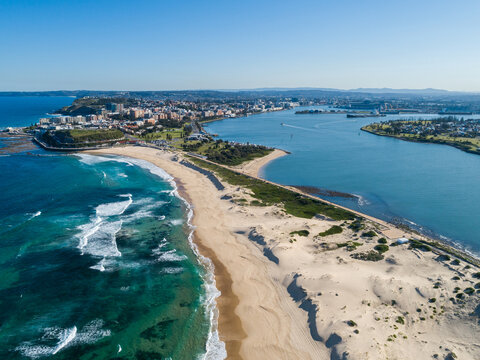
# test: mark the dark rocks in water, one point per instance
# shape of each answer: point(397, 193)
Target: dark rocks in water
point(158, 331)
point(313, 190)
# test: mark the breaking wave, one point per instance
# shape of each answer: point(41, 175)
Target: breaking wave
point(55, 339)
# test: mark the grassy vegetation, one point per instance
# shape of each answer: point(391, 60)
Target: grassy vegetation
point(357, 225)
point(381, 248)
point(269, 194)
point(89, 105)
point(391, 129)
point(382, 241)
point(371, 255)
point(350, 245)
point(415, 244)
point(78, 138)
point(82, 136)
point(300, 233)
point(370, 234)
point(164, 135)
point(335, 229)
point(226, 153)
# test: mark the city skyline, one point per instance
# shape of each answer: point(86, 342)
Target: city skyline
point(52, 45)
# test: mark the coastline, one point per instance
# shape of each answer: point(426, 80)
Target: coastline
point(420, 141)
point(246, 313)
point(255, 166)
point(227, 233)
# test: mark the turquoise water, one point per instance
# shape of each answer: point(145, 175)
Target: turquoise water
point(96, 262)
point(434, 188)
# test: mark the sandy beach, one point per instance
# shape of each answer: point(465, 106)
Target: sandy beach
point(254, 167)
point(292, 291)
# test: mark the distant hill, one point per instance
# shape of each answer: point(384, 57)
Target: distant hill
point(251, 94)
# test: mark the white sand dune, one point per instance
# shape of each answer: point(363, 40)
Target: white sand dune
point(303, 297)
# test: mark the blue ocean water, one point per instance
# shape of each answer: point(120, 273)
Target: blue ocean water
point(432, 187)
point(26, 110)
point(96, 262)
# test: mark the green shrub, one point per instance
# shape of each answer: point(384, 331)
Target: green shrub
point(415, 244)
point(335, 229)
point(476, 275)
point(381, 248)
point(350, 245)
point(432, 300)
point(356, 225)
point(300, 233)
point(351, 323)
point(256, 203)
point(382, 241)
point(444, 257)
point(368, 256)
point(455, 262)
point(400, 320)
point(369, 234)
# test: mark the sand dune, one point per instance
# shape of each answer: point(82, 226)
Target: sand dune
point(305, 297)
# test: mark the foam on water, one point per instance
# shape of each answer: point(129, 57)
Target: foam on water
point(114, 208)
point(93, 159)
point(215, 348)
point(176, 222)
point(64, 337)
point(87, 231)
point(361, 200)
point(170, 256)
point(98, 237)
point(38, 213)
point(102, 242)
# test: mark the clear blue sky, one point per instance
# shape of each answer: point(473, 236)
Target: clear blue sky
point(175, 44)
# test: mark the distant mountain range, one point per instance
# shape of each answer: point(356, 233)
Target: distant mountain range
point(427, 91)
point(300, 92)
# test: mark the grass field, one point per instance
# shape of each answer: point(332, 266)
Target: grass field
point(162, 135)
point(225, 153)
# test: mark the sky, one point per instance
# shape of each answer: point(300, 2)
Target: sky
point(203, 44)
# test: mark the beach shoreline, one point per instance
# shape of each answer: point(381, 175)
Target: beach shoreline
point(256, 292)
point(255, 166)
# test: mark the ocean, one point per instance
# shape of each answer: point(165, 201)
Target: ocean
point(18, 111)
point(97, 262)
point(432, 188)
